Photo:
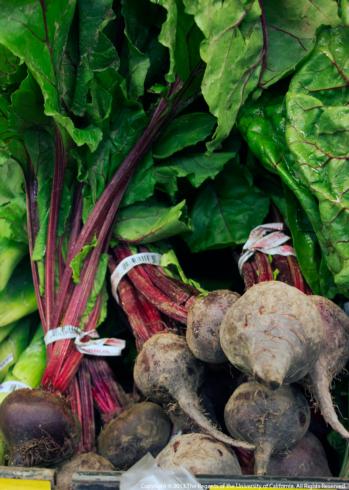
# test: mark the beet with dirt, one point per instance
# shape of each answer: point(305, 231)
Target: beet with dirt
point(144, 427)
point(272, 420)
point(273, 332)
point(200, 454)
point(80, 462)
point(332, 359)
point(166, 370)
point(38, 427)
point(306, 459)
point(205, 316)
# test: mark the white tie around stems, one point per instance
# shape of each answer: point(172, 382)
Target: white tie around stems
point(268, 239)
point(129, 263)
point(95, 347)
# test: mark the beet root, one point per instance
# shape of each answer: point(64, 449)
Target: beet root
point(306, 458)
point(272, 420)
point(205, 316)
point(200, 454)
point(38, 427)
point(332, 359)
point(166, 370)
point(80, 462)
point(273, 332)
point(142, 428)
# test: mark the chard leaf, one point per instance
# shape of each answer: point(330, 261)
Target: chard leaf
point(184, 131)
point(30, 30)
point(138, 66)
point(232, 50)
point(317, 134)
point(197, 168)
point(262, 123)
point(10, 70)
point(291, 27)
point(142, 184)
point(179, 34)
point(226, 210)
point(150, 223)
point(18, 298)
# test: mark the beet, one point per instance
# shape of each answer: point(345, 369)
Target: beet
point(166, 370)
point(332, 359)
point(80, 462)
point(205, 316)
point(274, 332)
point(200, 454)
point(272, 420)
point(38, 427)
point(306, 459)
point(142, 428)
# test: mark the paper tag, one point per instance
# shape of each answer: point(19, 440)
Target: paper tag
point(10, 386)
point(268, 239)
point(129, 263)
point(96, 347)
point(6, 361)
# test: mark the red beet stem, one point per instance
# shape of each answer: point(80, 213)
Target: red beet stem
point(109, 397)
point(143, 284)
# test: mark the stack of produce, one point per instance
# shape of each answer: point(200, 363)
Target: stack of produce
point(144, 142)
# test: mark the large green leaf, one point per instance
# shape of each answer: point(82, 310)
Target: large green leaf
point(233, 51)
point(291, 33)
point(180, 35)
point(184, 131)
point(317, 134)
point(226, 210)
point(263, 125)
point(97, 70)
point(196, 168)
point(37, 33)
point(151, 222)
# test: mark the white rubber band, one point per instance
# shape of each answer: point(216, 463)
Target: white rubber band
point(93, 347)
point(127, 264)
point(268, 239)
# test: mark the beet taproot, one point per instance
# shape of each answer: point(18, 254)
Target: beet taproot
point(80, 462)
point(200, 454)
point(205, 316)
point(306, 459)
point(273, 332)
point(38, 427)
point(332, 359)
point(166, 369)
point(272, 420)
point(144, 427)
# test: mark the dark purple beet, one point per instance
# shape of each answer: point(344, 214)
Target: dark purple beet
point(38, 427)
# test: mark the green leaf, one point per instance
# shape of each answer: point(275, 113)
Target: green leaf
point(98, 65)
point(291, 31)
point(97, 289)
point(14, 345)
point(142, 184)
point(10, 70)
point(30, 30)
point(18, 299)
point(32, 362)
point(170, 263)
point(78, 261)
point(178, 34)
point(233, 52)
point(151, 222)
point(263, 125)
point(197, 168)
point(317, 134)
point(184, 131)
point(226, 210)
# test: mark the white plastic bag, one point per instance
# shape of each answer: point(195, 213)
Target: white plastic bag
point(147, 475)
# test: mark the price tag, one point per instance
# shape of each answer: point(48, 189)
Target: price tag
point(14, 484)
